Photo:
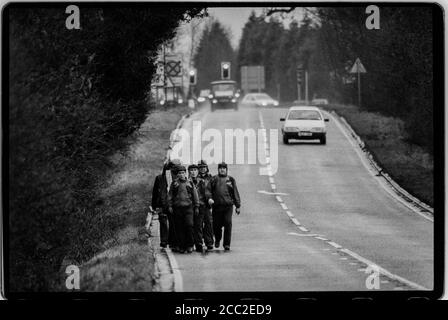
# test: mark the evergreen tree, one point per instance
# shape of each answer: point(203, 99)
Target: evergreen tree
point(214, 47)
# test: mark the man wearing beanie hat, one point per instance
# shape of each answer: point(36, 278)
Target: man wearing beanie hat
point(225, 195)
point(183, 203)
point(203, 196)
point(203, 170)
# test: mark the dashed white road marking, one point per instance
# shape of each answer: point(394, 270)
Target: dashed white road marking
point(302, 235)
point(273, 193)
point(383, 271)
point(339, 248)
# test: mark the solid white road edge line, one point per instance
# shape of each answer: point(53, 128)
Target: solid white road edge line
point(178, 282)
point(337, 246)
point(383, 271)
point(370, 170)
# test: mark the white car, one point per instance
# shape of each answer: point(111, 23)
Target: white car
point(259, 100)
point(304, 122)
point(203, 95)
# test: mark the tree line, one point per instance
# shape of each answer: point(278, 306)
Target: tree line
point(75, 98)
point(326, 42)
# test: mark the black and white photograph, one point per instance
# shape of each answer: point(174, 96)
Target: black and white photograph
point(234, 150)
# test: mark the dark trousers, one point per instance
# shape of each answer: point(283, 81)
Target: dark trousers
point(172, 237)
point(203, 227)
point(167, 229)
point(208, 227)
point(222, 217)
point(183, 223)
point(163, 228)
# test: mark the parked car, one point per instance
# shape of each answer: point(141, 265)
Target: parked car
point(259, 100)
point(304, 122)
point(224, 94)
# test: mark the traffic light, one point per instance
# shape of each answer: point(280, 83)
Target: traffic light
point(299, 74)
point(225, 70)
point(192, 77)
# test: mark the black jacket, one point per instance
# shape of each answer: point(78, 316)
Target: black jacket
point(227, 197)
point(203, 189)
point(159, 192)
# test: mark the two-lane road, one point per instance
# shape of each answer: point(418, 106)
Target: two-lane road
point(329, 217)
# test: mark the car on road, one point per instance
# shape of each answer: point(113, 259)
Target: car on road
point(224, 94)
point(174, 98)
point(259, 100)
point(304, 123)
point(203, 96)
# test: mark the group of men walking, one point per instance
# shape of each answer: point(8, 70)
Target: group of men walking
point(194, 207)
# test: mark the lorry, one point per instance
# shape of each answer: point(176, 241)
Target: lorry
point(252, 79)
point(224, 94)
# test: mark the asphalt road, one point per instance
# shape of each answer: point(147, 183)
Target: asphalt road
point(328, 221)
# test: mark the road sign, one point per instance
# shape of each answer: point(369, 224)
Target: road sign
point(158, 80)
point(358, 67)
point(173, 68)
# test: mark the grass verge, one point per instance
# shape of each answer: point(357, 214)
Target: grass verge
point(409, 165)
point(125, 262)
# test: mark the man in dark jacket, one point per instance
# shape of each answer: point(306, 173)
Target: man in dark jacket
point(208, 218)
point(204, 195)
point(225, 195)
point(183, 203)
point(159, 202)
point(156, 204)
